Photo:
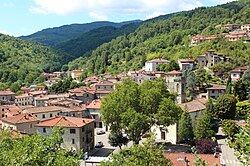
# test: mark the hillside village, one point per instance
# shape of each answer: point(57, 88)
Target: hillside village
point(235, 32)
point(78, 110)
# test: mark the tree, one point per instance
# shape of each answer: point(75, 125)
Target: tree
point(205, 146)
point(172, 65)
point(117, 139)
point(146, 154)
point(204, 127)
point(192, 82)
point(229, 127)
point(35, 150)
point(229, 85)
point(134, 108)
point(15, 87)
point(185, 128)
point(241, 89)
point(225, 108)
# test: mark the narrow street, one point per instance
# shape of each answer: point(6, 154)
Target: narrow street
point(227, 156)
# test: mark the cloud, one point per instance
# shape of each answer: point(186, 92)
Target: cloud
point(5, 32)
point(154, 14)
point(148, 8)
point(99, 17)
point(59, 7)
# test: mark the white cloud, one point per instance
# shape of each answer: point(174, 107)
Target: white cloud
point(154, 14)
point(5, 32)
point(59, 7)
point(97, 16)
point(93, 8)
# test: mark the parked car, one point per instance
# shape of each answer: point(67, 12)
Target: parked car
point(99, 144)
point(100, 132)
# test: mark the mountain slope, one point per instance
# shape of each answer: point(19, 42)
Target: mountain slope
point(91, 40)
point(24, 61)
point(169, 37)
point(53, 36)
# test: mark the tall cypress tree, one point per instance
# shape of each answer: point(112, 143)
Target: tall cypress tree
point(229, 85)
point(185, 129)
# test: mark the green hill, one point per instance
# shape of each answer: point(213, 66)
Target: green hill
point(91, 40)
point(24, 61)
point(169, 37)
point(54, 36)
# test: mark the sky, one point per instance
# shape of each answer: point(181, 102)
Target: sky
point(24, 17)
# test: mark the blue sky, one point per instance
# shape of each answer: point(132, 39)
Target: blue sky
point(23, 17)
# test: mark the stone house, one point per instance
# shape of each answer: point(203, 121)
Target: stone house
point(94, 110)
point(22, 122)
point(176, 83)
point(216, 91)
point(245, 27)
point(85, 94)
point(186, 64)
point(210, 59)
point(24, 99)
point(152, 64)
point(78, 132)
point(7, 96)
point(237, 73)
point(195, 108)
point(165, 134)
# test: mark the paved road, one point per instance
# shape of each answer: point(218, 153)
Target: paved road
point(227, 158)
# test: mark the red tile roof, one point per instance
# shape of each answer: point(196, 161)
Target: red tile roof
point(186, 60)
point(217, 87)
point(195, 105)
point(240, 69)
point(178, 158)
point(95, 104)
point(21, 118)
point(174, 72)
point(159, 60)
point(6, 93)
point(64, 121)
point(105, 82)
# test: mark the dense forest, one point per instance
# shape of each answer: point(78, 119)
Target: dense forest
point(91, 40)
point(170, 38)
point(54, 36)
point(24, 61)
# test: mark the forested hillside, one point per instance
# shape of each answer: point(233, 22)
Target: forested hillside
point(91, 40)
point(170, 38)
point(24, 61)
point(54, 36)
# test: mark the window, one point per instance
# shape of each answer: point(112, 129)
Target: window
point(73, 141)
point(50, 115)
point(44, 130)
point(72, 131)
point(31, 126)
point(83, 129)
point(58, 113)
point(43, 116)
point(212, 91)
point(82, 139)
point(87, 95)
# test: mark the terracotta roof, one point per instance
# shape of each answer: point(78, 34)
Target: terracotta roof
point(21, 118)
point(43, 109)
point(174, 72)
point(103, 91)
point(65, 121)
point(23, 96)
point(186, 60)
point(37, 92)
point(195, 105)
point(240, 69)
point(6, 93)
point(159, 60)
point(105, 82)
point(217, 87)
point(95, 104)
point(178, 158)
